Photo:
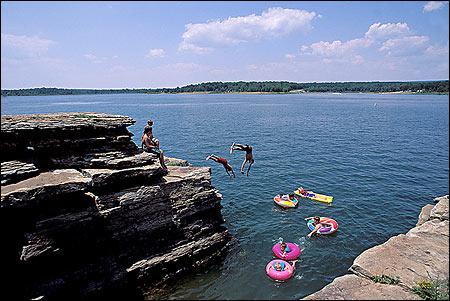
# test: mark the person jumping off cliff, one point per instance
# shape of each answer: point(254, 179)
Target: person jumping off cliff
point(151, 145)
point(224, 162)
point(248, 155)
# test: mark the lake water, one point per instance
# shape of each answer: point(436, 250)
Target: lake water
point(382, 157)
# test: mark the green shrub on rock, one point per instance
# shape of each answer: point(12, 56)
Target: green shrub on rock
point(432, 289)
point(386, 279)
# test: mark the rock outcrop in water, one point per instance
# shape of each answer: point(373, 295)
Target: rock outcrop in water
point(85, 214)
point(421, 254)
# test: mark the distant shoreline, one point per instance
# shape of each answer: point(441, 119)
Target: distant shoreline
point(254, 88)
point(330, 92)
point(245, 93)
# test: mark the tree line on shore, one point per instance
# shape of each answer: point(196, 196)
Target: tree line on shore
point(255, 87)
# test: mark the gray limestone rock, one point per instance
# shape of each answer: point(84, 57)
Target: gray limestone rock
point(13, 171)
point(440, 210)
point(62, 121)
point(46, 185)
point(168, 264)
point(109, 177)
point(98, 206)
point(352, 287)
point(420, 254)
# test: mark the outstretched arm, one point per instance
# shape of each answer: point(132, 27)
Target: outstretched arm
point(314, 231)
point(213, 157)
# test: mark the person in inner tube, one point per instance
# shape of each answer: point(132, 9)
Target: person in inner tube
point(317, 225)
point(288, 197)
point(279, 266)
point(284, 249)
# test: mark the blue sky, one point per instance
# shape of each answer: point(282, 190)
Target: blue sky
point(169, 44)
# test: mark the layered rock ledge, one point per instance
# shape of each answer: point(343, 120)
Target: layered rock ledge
point(420, 254)
point(85, 214)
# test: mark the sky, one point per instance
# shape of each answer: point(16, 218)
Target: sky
point(168, 44)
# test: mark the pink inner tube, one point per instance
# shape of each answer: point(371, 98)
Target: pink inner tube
point(328, 230)
point(292, 255)
point(331, 227)
point(279, 275)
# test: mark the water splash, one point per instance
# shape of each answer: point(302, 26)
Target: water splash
point(302, 241)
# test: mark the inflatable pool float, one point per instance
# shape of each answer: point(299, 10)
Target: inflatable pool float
point(283, 275)
point(293, 254)
point(333, 225)
point(315, 196)
point(285, 203)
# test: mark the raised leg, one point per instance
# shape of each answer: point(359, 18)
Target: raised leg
point(232, 148)
point(237, 146)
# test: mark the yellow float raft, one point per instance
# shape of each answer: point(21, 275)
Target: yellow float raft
point(314, 196)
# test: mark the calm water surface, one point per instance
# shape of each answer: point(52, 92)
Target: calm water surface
point(382, 157)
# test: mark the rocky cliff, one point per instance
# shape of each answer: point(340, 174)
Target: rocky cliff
point(407, 259)
point(85, 214)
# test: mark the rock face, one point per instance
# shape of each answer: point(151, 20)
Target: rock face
point(420, 254)
point(86, 215)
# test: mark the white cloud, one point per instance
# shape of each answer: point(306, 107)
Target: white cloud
point(156, 53)
point(25, 45)
point(391, 39)
point(378, 30)
point(90, 56)
point(335, 48)
point(437, 50)
point(95, 59)
point(357, 60)
point(289, 56)
point(203, 37)
point(433, 5)
point(411, 45)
